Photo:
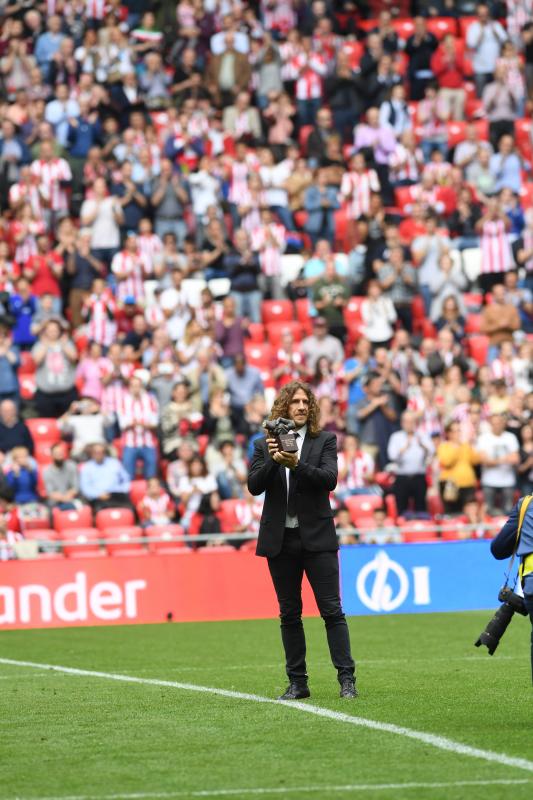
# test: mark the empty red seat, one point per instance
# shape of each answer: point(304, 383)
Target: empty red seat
point(473, 301)
point(303, 136)
point(403, 27)
point(526, 195)
point(80, 541)
point(137, 490)
point(256, 331)
point(302, 314)
point(362, 505)
point(219, 549)
point(228, 515)
point(258, 355)
point(74, 519)
point(277, 311)
point(473, 323)
point(36, 524)
point(276, 330)
point(166, 534)
point(522, 129)
point(44, 429)
point(403, 196)
point(352, 311)
point(114, 518)
point(27, 386)
point(442, 26)
point(456, 132)
point(120, 539)
point(27, 364)
point(418, 531)
point(479, 348)
point(41, 534)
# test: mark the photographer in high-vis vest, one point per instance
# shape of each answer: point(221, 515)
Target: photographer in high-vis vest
point(516, 536)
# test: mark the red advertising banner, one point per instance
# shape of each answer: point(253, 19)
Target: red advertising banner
point(189, 587)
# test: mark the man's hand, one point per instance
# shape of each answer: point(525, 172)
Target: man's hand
point(289, 460)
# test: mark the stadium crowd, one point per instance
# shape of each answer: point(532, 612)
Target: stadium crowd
point(204, 201)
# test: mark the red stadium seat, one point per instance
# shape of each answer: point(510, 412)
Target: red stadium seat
point(27, 364)
point(403, 27)
point(418, 531)
point(474, 109)
point(137, 490)
point(522, 129)
point(220, 548)
point(120, 539)
point(456, 132)
point(435, 506)
point(473, 301)
point(42, 534)
point(27, 386)
point(352, 311)
point(256, 332)
point(72, 520)
point(36, 523)
point(362, 505)
point(390, 505)
point(464, 24)
point(473, 323)
point(86, 540)
point(342, 231)
point(302, 314)
point(479, 348)
point(277, 311)
point(276, 329)
point(403, 196)
point(166, 533)
point(44, 429)
point(258, 355)
point(442, 26)
point(228, 515)
point(303, 136)
point(114, 518)
point(42, 452)
point(526, 195)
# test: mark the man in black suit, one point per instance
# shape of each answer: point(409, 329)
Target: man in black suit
point(297, 534)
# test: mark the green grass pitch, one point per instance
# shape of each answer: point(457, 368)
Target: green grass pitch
point(67, 735)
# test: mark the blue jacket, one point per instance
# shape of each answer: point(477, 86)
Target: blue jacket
point(312, 204)
point(503, 545)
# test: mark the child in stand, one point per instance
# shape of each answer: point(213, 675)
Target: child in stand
point(9, 525)
point(156, 507)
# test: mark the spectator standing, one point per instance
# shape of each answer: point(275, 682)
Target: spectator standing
point(420, 47)
point(448, 67)
point(495, 247)
point(499, 320)
point(484, 38)
point(243, 383)
point(243, 268)
point(499, 451)
point(377, 417)
point(501, 103)
point(55, 358)
point(138, 419)
point(9, 363)
point(457, 462)
point(169, 200)
point(330, 296)
point(410, 452)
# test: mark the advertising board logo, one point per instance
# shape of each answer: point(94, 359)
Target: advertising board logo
point(383, 585)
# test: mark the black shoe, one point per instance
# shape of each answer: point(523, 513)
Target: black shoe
point(348, 688)
point(295, 691)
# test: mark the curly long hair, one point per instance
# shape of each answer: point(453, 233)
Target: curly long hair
point(280, 407)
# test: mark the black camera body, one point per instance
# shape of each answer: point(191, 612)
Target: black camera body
point(281, 429)
point(511, 603)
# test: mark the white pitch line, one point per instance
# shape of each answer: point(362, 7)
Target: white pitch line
point(263, 790)
point(440, 742)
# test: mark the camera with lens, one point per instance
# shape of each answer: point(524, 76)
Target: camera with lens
point(511, 603)
point(281, 430)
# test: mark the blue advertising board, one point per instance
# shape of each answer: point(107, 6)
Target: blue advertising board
point(418, 578)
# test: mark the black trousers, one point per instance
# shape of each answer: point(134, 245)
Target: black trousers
point(407, 487)
point(322, 570)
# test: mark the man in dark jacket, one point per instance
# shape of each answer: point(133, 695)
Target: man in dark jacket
point(504, 544)
point(297, 534)
point(13, 432)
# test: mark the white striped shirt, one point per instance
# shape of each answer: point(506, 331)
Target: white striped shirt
point(49, 175)
point(131, 268)
point(133, 415)
point(150, 246)
point(357, 187)
point(100, 312)
point(360, 468)
point(495, 248)
point(310, 70)
point(269, 242)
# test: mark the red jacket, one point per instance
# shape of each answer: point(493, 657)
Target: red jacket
point(448, 76)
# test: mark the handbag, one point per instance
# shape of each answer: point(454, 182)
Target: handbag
point(450, 492)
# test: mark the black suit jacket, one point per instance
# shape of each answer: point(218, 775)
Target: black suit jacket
point(316, 476)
